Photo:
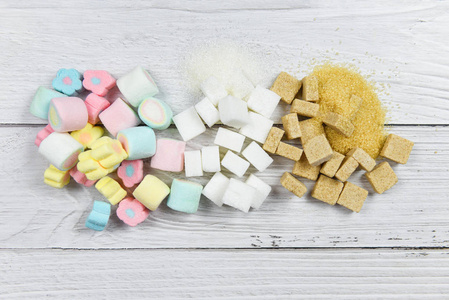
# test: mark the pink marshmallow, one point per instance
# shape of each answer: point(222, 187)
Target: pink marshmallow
point(81, 177)
point(131, 172)
point(67, 114)
point(41, 135)
point(118, 116)
point(169, 155)
point(98, 81)
point(131, 211)
point(95, 105)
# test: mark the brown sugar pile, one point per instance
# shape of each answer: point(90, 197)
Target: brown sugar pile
point(336, 86)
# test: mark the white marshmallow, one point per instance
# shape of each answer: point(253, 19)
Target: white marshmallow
point(215, 188)
point(211, 159)
point(192, 163)
point(263, 101)
point(137, 85)
point(239, 85)
point(208, 112)
point(257, 156)
point(235, 163)
point(189, 124)
point(262, 190)
point(213, 89)
point(61, 150)
point(233, 111)
point(257, 128)
point(239, 195)
point(229, 139)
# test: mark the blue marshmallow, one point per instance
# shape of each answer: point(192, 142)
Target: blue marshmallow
point(99, 216)
point(184, 196)
point(41, 102)
point(138, 142)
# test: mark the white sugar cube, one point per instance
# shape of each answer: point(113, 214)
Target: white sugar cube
point(257, 156)
point(239, 85)
point(211, 159)
point(192, 162)
point(216, 187)
point(235, 163)
point(189, 124)
point(257, 128)
point(213, 89)
point(229, 139)
point(233, 111)
point(262, 190)
point(239, 195)
point(208, 112)
point(263, 101)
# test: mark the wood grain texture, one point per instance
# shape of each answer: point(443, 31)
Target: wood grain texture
point(231, 274)
point(402, 45)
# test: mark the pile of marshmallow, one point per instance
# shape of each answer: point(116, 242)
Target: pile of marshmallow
point(77, 147)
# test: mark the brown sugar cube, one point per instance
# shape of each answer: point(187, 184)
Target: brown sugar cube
point(293, 185)
point(327, 190)
point(365, 161)
point(397, 149)
point(304, 169)
point(286, 86)
point(382, 177)
point(289, 151)
point(318, 150)
point(352, 197)
point(309, 129)
point(305, 108)
point(339, 123)
point(354, 105)
point(310, 88)
point(348, 167)
point(291, 126)
point(274, 138)
point(331, 167)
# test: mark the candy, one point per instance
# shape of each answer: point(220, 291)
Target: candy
point(138, 142)
point(88, 135)
point(214, 90)
point(262, 190)
point(257, 128)
point(99, 216)
point(229, 139)
point(215, 188)
point(80, 177)
point(56, 178)
point(210, 158)
point(130, 172)
point(132, 212)
point(257, 156)
point(286, 86)
point(233, 112)
point(239, 195)
point(61, 150)
point(169, 155)
point(273, 139)
point(137, 85)
point(98, 81)
point(67, 81)
point(184, 196)
point(95, 105)
point(239, 85)
point(118, 116)
point(208, 112)
point(110, 189)
point(155, 113)
point(327, 190)
point(41, 102)
point(189, 124)
point(43, 134)
point(109, 154)
point(235, 163)
point(192, 161)
point(91, 167)
point(151, 192)
point(67, 114)
point(263, 101)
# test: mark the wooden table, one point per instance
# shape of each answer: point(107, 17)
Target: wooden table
point(397, 247)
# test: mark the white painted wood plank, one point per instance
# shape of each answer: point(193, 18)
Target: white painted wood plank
point(402, 44)
point(230, 274)
point(412, 214)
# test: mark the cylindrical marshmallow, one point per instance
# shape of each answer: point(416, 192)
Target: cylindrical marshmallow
point(95, 105)
point(41, 101)
point(42, 135)
point(119, 116)
point(138, 142)
point(67, 114)
point(155, 113)
point(137, 85)
point(61, 150)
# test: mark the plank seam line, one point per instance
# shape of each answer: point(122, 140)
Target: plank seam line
point(238, 249)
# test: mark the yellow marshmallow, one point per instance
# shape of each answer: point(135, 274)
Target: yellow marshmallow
point(151, 191)
point(88, 135)
point(100, 142)
point(109, 154)
point(91, 167)
point(56, 178)
point(111, 189)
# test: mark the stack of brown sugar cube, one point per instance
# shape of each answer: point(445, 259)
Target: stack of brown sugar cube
point(317, 161)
